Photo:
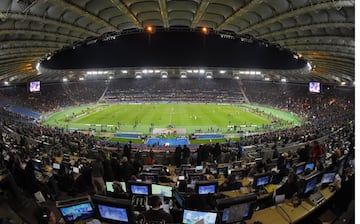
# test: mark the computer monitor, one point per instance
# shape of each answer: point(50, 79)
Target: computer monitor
point(212, 167)
point(178, 198)
point(299, 168)
point(56, 166)
point(193, 177)
point(328, 178)
point(308, 185)
point(155, 170)
point(262, 179)
point(113, 210)
point(139, 188)
point(37, 164)
point(185, 165)
point(309, 166)
point(238, 173)
point(194, 217)
point(110, 188)
point(165, 191)
point(187, 171)
point(236, 209)
point(222, 171)
point(75, 209)
point(75, 170)
point(157, 166)
point(150, 177)
point(206, 187)
point(199, 168)
point(237, 164)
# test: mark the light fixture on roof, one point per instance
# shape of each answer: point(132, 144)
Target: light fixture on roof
point(124, 71)
point(201, 71)
point(81, 79)
point(222, 71)
point(150, 29)
point(38, 66)
point(267, 79)
point(6, 83)
point(164, 75)
point(236, 77)
point(65, 79)
point(283, 80)
point(343, 83)
point(145, 71)
point(138, 76)
point(205, 30)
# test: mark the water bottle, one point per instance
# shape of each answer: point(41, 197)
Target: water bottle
point(170, 204)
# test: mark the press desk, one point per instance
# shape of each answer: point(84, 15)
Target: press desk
point(285, 212)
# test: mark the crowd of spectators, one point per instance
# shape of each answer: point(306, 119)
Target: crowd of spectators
point(329, 114)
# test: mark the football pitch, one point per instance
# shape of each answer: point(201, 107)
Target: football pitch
point(193, 117)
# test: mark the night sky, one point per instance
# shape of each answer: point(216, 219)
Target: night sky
point(173, 49)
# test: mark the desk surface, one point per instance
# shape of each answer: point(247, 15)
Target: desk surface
point(286, 213)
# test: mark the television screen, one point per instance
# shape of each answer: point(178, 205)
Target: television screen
point(75, 169)
point(110, 187)
point(310, 166)
point(310, 185)
point(299, 168)
point(165, 191)
point(113, 210)
point(207, 189)
point(150, 177)
point(76, 212)
point(314, 87)
point(262, 179)
point(179, 198)
point(37, 165)
point(328, 177)
point(236, 213)
point(139, 188)
point(56, 166)
point(194, 217)
point(113, 213)
point(236, 209)
point(238, 173)
point(237, 164)
point(186, 171)
point(34, 86)
point(222, 170)
point(195, 177)
point(199, 168)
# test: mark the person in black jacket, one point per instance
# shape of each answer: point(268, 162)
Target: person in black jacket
point(157, 214)
point(290, 188)
point(230, 184)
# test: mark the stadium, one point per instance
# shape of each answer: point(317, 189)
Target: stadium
point(211, 107)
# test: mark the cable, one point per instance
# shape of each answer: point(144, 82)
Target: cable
point(287, 215)
point(304, 207)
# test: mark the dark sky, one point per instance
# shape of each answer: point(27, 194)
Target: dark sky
point(172, 49)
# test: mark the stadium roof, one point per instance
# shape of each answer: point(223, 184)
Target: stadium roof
point(321, 31)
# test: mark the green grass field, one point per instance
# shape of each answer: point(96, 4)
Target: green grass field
point(141, 117)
